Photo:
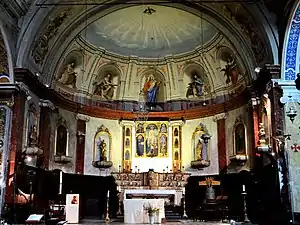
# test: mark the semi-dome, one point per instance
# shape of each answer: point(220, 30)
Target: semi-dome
point(149, 31)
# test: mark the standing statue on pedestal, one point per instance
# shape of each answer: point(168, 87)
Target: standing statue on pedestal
point(151, 89)
point(105, 88)
point(69, 76)
point(33, 137)
point(199, 148)
point(102, 150)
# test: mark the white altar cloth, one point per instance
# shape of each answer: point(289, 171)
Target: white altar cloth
point(134, 211)
point(149, 192)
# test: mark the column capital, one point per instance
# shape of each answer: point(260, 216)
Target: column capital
point(47, 103)
point(126, 123)
point(82, 117)
point(177, 123)
point(220, 116)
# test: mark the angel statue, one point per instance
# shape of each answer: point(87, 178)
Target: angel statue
point(105, 88)
point(69, 75)
point(231, 71)
point(151, 89)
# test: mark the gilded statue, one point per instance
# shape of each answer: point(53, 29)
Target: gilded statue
point(33, 137)
point(69, 76)
point(103, 150)
point(105, 88)
point(199, 148)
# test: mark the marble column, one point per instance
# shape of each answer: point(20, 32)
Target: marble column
point(15, 155)
point(221, 129)
point(45, 130)
point(80, 146)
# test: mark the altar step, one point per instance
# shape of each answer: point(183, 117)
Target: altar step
point(171, 215)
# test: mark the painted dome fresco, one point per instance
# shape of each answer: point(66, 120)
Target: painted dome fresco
point(149, 31)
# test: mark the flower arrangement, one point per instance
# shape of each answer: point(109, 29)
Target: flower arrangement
point(150, 209)
point(209, 181)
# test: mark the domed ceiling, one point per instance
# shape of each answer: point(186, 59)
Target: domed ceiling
point(149, 31)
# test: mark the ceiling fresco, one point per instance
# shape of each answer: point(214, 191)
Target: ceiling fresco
point(149, 31)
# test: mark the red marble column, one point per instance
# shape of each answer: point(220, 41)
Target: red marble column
point(80, 148)
point(44, 135)
point(18, 113)
point(222, 144)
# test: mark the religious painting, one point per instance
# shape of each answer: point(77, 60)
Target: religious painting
point(31, 126)
point(175, 132)
point(200, 143)
point(61, 140)
point(102, 144)
point(229, 65)
point(266, 117)
point(239, 135)
point(127, 148)
point(153, 142)
point(152, 88)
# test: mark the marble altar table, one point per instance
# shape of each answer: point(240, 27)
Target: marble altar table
point(134, 211)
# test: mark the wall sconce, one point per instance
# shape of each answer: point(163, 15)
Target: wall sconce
point(80, 135)
point(291, 112)
point(205, 138)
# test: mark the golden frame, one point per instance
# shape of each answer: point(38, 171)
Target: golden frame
point(160, 133)
point(199, 131)
point(102, 131)
point(126, 161)
point(239, 121)
point(176, 163)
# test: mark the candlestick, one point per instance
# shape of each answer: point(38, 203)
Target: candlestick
point(60, 182)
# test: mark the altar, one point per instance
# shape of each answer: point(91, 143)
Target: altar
point(134, 210)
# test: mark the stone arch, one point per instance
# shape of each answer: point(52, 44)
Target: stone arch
point(108, 68)
point(160, 77)
point(9, 77)
point(291, 53)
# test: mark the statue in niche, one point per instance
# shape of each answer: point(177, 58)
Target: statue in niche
point(163, 128)
point(176, 157)
point(61, 140)
point(105, 88)
point(140, 145)
point(127, 143)
point(140, 128)
point(102, 150)
point(196, 87)
point(152, 141)
point(199, 148)
point(231, 71)
point(31, 124)
point(176, 132)
point(176, 144)
point(33, 136)
point(69, 76)
point(163, 145)
point(240, 143)
point(151, 88)
point(127, 133)
point(127, 155)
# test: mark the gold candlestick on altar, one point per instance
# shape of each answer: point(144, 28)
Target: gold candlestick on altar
point(107, 219)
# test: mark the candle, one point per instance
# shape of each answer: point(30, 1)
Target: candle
point(60, 183)
point(244, 189)
point(108, 194)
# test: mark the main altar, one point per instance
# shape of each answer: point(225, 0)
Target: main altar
point(138, 190)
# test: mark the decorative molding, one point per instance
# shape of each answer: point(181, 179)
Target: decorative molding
point(220, 116)
point(82, 117)
point(291, 51)
point(47, 103)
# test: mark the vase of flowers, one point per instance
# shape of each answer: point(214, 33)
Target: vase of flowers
point(151, 211)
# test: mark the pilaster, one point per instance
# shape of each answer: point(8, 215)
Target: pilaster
point(45, 130)
point(220, 119)
point(80, 146)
